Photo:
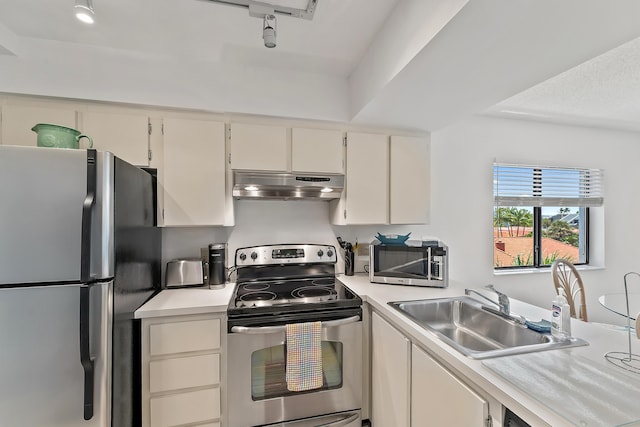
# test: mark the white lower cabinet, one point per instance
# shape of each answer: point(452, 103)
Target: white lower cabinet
point(390, 375)
point(409, 388)
point(439, 398)
point(181, 371)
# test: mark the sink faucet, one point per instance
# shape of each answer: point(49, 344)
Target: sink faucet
point(503, 299)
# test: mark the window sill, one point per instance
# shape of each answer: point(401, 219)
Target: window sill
point(542, 270)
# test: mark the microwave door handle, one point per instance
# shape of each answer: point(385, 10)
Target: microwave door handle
point(283, 328)
point(348, 419)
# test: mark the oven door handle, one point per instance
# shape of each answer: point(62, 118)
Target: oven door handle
point(283, 328)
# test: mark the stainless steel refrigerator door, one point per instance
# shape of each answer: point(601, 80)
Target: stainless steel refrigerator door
point(42, 380)
point(44, 193)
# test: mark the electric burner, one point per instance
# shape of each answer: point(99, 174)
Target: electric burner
point(256, 298)
point(314, 292)
point(255, 287)
point(323, 282)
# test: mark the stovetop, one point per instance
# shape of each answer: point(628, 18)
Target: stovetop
point(302, 291)
point(282, 296)
point(288, 283)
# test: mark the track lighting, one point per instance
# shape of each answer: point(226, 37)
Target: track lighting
point(84, 11)
point(269, 31)
point(267, 11)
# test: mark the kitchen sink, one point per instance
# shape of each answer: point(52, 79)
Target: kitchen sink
point(476, 330)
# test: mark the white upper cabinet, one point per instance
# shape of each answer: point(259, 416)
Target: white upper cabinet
point(193, 176)
point(387, 181)
point(125, 135)
point(259, 147)
point(17, 121)
point(409, 189)
point(366, 196)
point(317, 150)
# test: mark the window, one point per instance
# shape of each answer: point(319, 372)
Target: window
point(542, 213)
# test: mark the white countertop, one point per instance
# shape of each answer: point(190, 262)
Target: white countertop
point(177, 302)
point(510, 393)
point(523, 401)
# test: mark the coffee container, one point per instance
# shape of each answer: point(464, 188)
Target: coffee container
point(217, 265)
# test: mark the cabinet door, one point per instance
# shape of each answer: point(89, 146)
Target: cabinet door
point(390, 363)
point(193, 175)
point(125, 135)
point(18, 120)
point(367, 192)
point(184, 408)
point(409, 188)
point(438, 398)
point(317, 150)
point(259, 147)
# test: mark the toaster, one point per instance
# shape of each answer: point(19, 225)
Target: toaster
point(185, 273)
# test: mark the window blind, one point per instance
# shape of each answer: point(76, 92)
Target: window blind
point(518, 185)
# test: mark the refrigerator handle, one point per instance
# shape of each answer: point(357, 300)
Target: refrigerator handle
point(87, 214)
point(85, 351)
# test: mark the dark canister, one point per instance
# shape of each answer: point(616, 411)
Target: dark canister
point(349, 259)
point(217, 265)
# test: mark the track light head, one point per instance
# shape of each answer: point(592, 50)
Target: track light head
point(84, 11)
point(269, 31)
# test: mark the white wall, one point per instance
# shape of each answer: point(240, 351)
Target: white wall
point(461, 212)
point(462, 156)
point(131, 77)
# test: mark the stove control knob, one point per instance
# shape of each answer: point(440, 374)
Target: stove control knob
point(242, 256)
point(254, 256)
point(329, 253)
point(320, 253)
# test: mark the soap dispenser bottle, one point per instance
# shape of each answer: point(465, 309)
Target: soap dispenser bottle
point(560, 317)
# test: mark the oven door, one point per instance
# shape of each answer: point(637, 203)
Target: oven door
point(257, 389)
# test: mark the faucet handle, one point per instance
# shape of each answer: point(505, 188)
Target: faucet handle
point(492, 288)
point(505, 305)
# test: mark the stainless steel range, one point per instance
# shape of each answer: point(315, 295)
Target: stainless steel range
point(280, 285)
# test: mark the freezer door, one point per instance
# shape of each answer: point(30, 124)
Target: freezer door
point(57, 215)
point(43, 381)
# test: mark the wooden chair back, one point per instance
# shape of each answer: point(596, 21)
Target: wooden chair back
point(568, 282)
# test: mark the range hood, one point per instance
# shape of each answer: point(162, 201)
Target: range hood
point(286, 186)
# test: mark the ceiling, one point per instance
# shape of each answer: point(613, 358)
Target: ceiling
point(200, 30)
point(414, 64)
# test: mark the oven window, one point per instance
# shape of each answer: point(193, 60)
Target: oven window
point(268, 370)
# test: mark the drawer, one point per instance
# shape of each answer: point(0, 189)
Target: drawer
point(178, 337)
point(184, 372)
point(185, 408)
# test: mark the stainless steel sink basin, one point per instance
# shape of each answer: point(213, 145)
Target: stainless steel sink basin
point(471, 328)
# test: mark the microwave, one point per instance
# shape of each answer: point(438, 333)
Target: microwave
point(417, 263)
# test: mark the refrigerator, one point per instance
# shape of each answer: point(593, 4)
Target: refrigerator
point(79, 253)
